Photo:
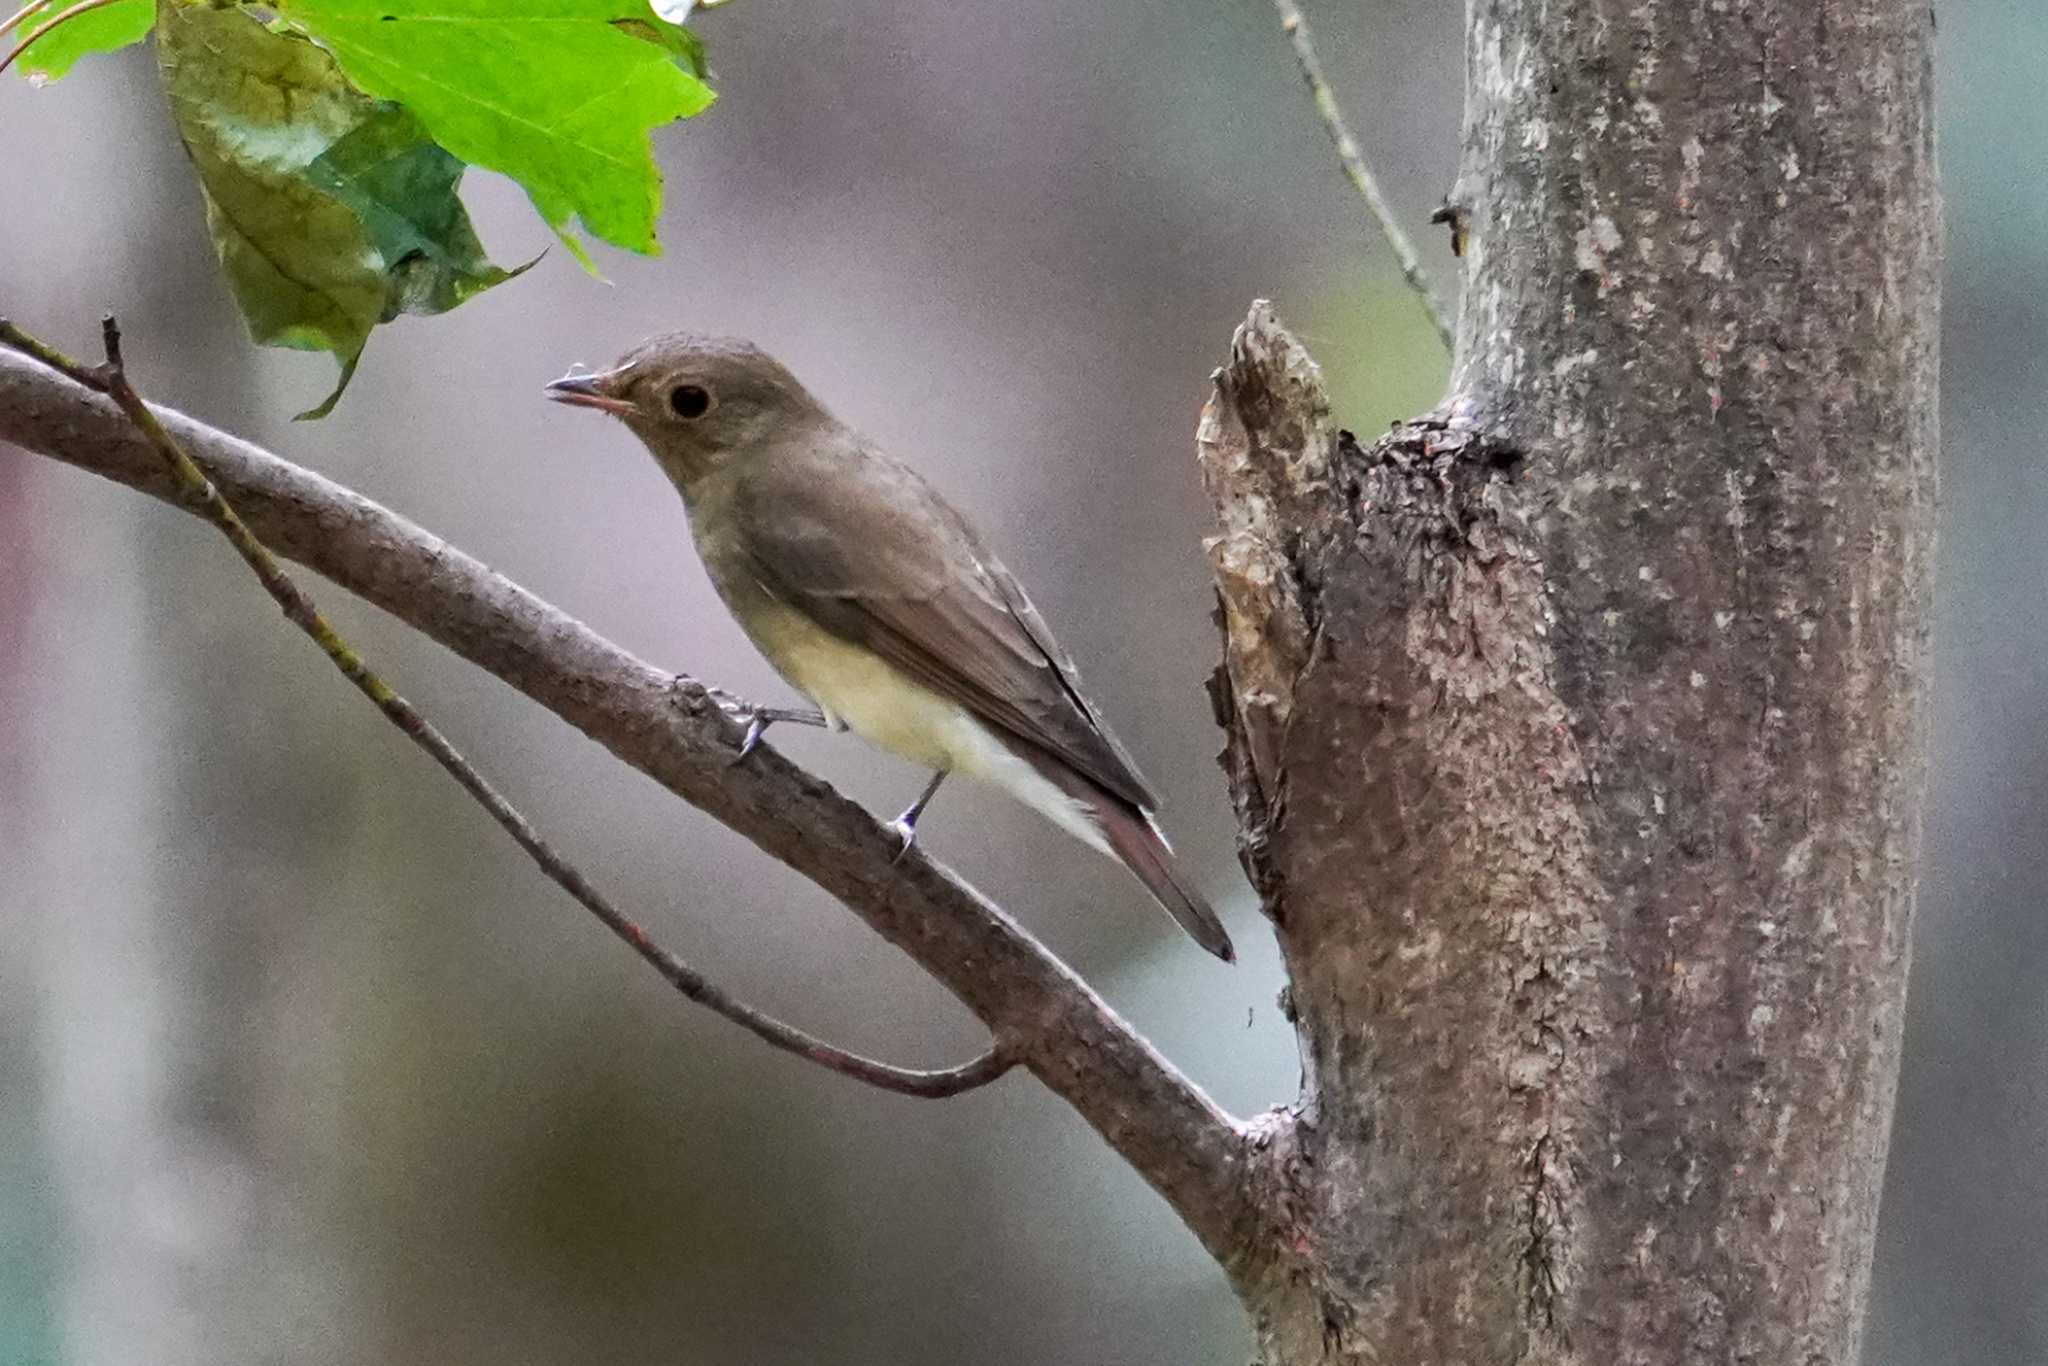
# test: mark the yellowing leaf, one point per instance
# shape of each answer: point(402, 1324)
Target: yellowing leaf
point(331, 212)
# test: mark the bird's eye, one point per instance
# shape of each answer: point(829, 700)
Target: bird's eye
point(689, 400)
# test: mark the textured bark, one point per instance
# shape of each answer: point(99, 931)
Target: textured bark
point(1575, 730)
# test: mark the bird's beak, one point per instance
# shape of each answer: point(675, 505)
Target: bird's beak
point(587, 391)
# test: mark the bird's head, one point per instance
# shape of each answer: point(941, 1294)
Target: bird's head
point(699, 403)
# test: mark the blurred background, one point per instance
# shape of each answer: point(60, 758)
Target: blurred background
point(301, 1062)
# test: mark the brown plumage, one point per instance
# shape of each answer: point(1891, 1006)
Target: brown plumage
point(875, 597)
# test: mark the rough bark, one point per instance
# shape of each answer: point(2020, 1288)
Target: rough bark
point(1575, 730)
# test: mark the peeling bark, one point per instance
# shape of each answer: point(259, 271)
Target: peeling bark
point(1575, 729)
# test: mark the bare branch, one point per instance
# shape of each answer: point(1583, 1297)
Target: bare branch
point(674, 730)
point(1360, 174)
point(203, 498)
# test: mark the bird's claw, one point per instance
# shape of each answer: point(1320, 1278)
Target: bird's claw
point(756, 723)
point(905, 825)
point(906, 833)
point(758, 720)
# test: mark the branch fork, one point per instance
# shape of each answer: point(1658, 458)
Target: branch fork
point(199, 492)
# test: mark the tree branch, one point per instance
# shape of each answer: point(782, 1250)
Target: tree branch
point(673, 730)
point(199, 494)
point(1359, 173)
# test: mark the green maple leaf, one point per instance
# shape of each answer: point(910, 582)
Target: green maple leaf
point(557, 94)
point(100, 30)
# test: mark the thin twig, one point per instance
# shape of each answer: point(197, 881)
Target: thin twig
point(1360, 174)
point(199, 491)
point(62, 17)
point(14, 20)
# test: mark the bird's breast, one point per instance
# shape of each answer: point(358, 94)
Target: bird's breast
point(884, 706)
point(871, 696)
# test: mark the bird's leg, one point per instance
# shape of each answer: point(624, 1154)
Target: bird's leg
point(905, 825)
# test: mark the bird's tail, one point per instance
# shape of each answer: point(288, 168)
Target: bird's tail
point(1136, 841)
point(1145, 852)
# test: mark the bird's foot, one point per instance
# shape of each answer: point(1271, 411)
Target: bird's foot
point(756, 725)
point(905, 829)
point(905, 825)
point(758, 719)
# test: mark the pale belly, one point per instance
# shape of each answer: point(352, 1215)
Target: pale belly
point(882, 705)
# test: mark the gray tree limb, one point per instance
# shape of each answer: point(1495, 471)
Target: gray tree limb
point(673, 730)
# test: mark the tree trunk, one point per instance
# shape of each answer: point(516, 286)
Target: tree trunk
point(1575, 730)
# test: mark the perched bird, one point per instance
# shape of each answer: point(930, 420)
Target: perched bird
point(874, 598)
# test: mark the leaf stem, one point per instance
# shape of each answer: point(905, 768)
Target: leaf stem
point(201, 494)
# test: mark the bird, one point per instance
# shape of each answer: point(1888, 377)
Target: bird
point(874, 597)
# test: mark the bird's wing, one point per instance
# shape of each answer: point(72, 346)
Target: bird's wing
point(869, 551)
